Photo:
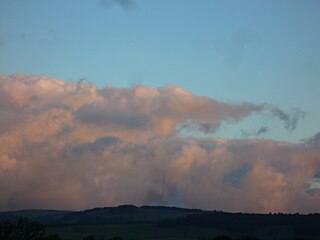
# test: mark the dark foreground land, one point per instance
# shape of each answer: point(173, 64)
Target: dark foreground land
point(159, 223)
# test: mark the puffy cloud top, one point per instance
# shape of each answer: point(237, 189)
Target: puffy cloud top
point(73, 146)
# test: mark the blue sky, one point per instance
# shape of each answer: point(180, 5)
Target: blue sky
point(253, 51)
point(234, 143)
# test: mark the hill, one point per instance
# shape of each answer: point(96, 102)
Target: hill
point(146, 222)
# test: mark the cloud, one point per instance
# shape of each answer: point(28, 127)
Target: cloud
point(100, 116)
point(313, 141)
point(290, 121)
point(2, 43)
point(21, 36)
point(53, 35)
point(206, 128)
point(234, 48)
point(124, 4)
point(261, 131)
point(72, 146)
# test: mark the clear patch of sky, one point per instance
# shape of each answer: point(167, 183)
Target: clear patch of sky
point(255, 51)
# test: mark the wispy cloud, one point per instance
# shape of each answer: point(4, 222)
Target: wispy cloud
point(206, 128)
point(52, 34)
point(233, 49)
point(260, 131)
point(124, 4)
point(73, 146)
point(290, 120)
point(2, 43)
point(313, 141)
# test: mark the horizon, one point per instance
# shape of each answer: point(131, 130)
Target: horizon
point(192, 104)
point(161, 207)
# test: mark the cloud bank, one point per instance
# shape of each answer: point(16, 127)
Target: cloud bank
point(72, 146)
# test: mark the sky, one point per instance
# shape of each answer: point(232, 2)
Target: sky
point(196, 103)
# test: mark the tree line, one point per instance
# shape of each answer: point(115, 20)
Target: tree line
point(24, 229)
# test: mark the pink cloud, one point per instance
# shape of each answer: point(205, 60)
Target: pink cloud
point(73, 146)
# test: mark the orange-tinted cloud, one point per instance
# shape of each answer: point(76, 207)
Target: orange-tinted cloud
point(73, 146)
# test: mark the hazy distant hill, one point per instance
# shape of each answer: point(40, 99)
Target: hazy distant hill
point(150, 221)
point(41, 216)
point(106, 215)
